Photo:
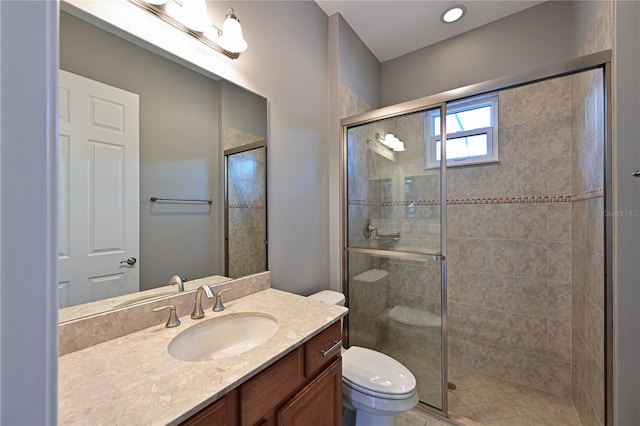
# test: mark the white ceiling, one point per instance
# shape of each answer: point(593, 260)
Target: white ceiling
point(394, 28)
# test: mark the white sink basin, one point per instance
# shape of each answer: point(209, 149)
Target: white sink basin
point(219, 338)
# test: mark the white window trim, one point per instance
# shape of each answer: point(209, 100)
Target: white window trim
point(460, 106)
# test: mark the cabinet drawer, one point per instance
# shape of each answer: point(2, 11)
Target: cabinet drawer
point(266, 391)
point(322, 349)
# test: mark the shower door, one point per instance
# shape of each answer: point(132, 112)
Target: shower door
point(245, 234)
point(394, 246)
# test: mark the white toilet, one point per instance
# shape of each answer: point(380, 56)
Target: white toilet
point(375, 386)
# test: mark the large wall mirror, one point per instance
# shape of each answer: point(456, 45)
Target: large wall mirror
point(162, 173)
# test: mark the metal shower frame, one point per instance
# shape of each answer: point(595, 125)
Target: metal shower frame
point(601, 60)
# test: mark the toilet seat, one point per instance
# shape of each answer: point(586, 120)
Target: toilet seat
point(376, 374)
point(374, 394)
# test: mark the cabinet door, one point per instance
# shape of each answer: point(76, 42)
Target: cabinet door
point(223, 412)
point(260, 396)
point(319, 403)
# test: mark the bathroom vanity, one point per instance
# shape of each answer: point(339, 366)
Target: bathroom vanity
point(286, 380)
point(304, 387)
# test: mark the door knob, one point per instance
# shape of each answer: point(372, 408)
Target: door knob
point(130, 261)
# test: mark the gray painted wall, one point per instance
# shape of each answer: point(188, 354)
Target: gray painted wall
point(289, 68)
point(359, 68)
point(518, 43)
point(28, 283)
point(333, 138)
point(583, 14)
point(242, 110)
point(627, 236)
point(179, 151)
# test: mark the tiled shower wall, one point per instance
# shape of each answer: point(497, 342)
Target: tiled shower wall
point(588, 226)
point(509, 245)
point(246, 213)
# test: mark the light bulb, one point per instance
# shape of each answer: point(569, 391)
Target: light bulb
point(194, 16)
point(232, 38)
point(389, 139)
point(156, 3)
point(453, 14)
point(399, 146)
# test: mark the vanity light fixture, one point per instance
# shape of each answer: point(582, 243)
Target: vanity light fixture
point(453, 14)
point(191, 17)
point(390, 141)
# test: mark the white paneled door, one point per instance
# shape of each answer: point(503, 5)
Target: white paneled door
point(98, 220)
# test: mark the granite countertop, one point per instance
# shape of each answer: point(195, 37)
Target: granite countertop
point(132, 380)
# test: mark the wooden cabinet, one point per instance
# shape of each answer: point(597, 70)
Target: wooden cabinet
point(318, 404)
point(303, 388)
point(260, 396)
point(322, 349)
point(223, 412)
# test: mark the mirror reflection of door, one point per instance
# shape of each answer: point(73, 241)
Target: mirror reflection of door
point(98, 191)
point(245, 205)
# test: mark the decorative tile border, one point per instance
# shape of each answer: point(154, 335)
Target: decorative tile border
point(589, 195)
point(412, 202)
point(245, 206)
point(542, 199)
point(365, 203)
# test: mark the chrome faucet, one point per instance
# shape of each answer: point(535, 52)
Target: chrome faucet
point(177, 280)
point(218, 306)
point(198, 312)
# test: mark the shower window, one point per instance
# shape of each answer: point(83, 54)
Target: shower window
point(471, 129)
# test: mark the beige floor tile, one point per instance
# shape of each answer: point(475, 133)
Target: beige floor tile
point(480, 412)
point(477, 395)
point(491, 401)
point(502, 410)
point(411, 418)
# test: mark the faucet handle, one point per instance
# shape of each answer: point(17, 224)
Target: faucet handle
point(173, 320)
point(218, 306)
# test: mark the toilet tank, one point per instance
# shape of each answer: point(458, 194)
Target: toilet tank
point(330, 297)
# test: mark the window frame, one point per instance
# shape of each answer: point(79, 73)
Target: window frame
point(475, 102)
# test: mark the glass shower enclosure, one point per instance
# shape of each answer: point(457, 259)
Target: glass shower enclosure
point(394, 226)
point(245, 199)
point(395, 248)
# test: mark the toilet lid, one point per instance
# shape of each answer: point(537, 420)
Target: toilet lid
point(376, 374)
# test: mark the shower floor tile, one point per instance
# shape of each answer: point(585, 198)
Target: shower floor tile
point(482, 400)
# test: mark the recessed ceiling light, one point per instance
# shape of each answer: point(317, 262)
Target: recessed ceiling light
point(452, 14)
